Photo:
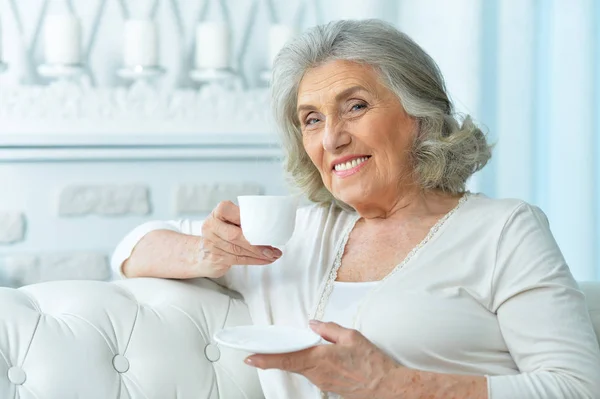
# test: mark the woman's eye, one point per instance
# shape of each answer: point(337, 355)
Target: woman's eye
point(311, 121)
point(358, 106)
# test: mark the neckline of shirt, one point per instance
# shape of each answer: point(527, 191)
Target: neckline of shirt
point(356, 283)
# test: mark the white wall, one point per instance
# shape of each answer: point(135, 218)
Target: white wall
point(527, 70)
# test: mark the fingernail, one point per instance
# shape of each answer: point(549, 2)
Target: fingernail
point(314, 322)
point(248, 361)
point(277, 252)
point(267, 253)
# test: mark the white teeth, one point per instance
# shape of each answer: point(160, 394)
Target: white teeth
point(350, 164)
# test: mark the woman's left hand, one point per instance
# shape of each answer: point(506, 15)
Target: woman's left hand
point(352, 367)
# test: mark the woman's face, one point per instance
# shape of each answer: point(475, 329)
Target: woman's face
point(356, 132)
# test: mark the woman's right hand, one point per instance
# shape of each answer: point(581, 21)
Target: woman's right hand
point(223, 244)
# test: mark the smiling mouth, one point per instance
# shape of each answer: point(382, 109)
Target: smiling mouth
point(340, 167)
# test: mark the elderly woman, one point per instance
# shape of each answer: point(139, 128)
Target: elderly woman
point(422, 289)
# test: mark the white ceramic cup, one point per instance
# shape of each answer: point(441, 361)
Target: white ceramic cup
point(268, 219)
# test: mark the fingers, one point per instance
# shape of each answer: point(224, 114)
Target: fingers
point(224, 238)
point(294, 361)
point(335, 333)
point(215, 255)
point(241, 249)
point(229, 237)
point(227, 212)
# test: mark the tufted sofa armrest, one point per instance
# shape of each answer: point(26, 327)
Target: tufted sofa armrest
point(136, 338)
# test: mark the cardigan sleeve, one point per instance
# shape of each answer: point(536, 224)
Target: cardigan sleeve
point(235, 279)
point(125, 247)
point(542, 315)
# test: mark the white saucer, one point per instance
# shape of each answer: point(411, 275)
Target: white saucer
point(267, 339)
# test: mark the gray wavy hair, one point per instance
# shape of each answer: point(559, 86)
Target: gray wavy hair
point(446, 151)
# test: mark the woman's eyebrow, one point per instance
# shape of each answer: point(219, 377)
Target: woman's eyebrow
point(348, 92)
point(338, 97)
point(306, 107)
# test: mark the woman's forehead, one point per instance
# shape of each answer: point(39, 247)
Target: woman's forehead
point(328, 81)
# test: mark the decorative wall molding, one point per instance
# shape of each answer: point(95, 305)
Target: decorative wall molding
point(128, 139)
point(69, 122)
point(12, 227)
point(65, 107)
point(202, 198)
point(104, 200)
point(76, 154)
point(24, 269)
point(19, 270)
point(123, 145)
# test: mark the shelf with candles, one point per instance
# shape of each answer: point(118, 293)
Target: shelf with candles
point(279, 35)
point(140, 72)
point(212, 56)
point(140, 51)
point(62, 46)
point(225, 76)
point(60, 71)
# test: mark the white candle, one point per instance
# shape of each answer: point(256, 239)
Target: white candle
point(278, 37)
point(212, 45)
point(140, 44)
point(62, 39)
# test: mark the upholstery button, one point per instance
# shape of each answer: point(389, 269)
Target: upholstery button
point(120, 363)
point(16, 375)
point(212, 352)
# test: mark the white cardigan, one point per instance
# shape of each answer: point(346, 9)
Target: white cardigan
point(490, 294)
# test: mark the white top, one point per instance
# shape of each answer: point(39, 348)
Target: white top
point(344, 300)
point(341, 309)
point(489, 294)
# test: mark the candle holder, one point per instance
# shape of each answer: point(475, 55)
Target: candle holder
point(225, 77)
point(61, 71)
point(139, 72)
point(278, 36)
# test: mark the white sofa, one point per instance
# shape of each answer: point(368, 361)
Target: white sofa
point(137, 338)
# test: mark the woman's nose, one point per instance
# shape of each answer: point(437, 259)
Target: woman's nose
point(335, 136)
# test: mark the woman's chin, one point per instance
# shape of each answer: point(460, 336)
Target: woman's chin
point(352, 197)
